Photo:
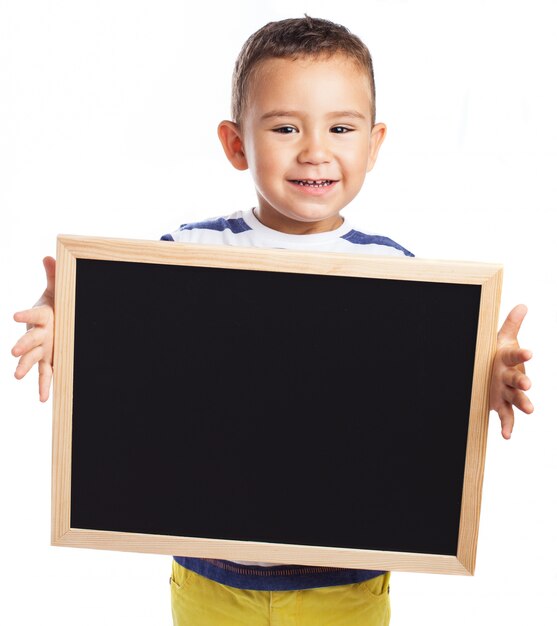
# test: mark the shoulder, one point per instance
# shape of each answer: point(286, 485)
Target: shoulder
point(374, 243)
point(210, 230)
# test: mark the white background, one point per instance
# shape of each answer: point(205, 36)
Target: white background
point(108, 116)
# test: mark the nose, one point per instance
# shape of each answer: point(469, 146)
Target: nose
point(314, 149)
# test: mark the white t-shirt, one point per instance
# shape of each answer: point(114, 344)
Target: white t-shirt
point(242, 228)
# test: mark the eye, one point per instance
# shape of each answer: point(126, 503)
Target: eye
point(285, 130)
point(340, 130)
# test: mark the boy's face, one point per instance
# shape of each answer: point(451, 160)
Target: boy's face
point(305, 120)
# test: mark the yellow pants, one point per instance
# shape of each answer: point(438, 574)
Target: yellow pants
point(198, 601)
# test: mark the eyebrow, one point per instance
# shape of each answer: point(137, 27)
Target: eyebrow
point(277, 113)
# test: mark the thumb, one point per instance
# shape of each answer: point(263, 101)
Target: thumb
point(50, 269)
point(511, 326)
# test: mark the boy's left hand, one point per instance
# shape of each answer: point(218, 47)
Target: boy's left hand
point(509, 380)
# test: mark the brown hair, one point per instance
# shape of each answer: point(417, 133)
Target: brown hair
point(292, 38)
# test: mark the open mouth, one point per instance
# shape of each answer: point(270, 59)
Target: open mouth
point(313, 183)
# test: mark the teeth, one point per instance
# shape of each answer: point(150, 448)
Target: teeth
point(313, 183)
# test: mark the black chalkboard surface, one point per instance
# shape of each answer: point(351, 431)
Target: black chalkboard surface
point(267, 406)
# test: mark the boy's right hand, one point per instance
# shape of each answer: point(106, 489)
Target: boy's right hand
point(36, 346)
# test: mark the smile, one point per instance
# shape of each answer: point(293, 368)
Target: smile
point(308, 186)
point(314, 183)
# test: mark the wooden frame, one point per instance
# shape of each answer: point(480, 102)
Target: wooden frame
point(71, 248)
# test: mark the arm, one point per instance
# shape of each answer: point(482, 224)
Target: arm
point(36, 346)
point(509, 380)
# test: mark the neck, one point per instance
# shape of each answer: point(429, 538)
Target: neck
point(289, 226)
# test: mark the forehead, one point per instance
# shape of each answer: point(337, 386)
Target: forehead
point(311, 85)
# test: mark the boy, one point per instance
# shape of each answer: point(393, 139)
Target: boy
point(303, 105)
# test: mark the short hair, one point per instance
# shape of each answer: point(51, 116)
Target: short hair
point(294, 38)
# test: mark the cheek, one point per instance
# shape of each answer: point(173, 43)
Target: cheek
point(264, 167)
point(363, 159)
point(269, 161)
point(356, 165)
point(264, 172)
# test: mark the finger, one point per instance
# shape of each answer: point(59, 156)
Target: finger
point(506, 415)
point(27, 361)
point(31, 339)
point(50, 269)
point(45, 377)
point(39, 315)
point(511, 326)
point(519, 399)
point(515, 356)
point(515, 378)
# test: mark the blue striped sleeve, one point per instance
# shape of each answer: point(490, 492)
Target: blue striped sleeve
point(236, 225)
point(359, 238)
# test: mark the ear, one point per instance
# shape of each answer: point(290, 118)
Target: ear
point(378, 133)
point(231, 140)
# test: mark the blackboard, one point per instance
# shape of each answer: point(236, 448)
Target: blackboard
point(272, 405)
